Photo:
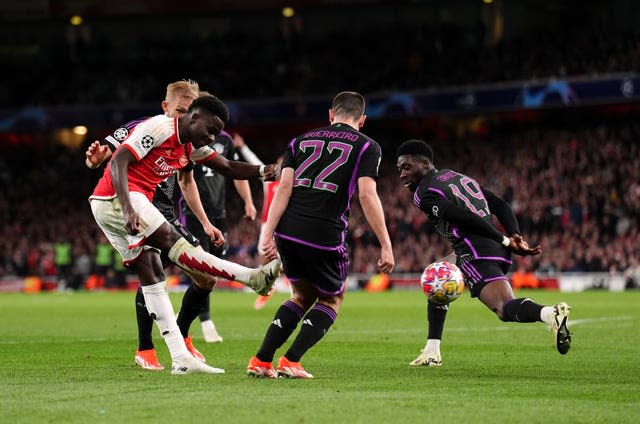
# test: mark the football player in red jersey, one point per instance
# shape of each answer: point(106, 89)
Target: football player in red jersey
point(179, 96)
point(157, 148)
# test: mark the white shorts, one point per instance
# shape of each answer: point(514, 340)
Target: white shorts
point(108, 215)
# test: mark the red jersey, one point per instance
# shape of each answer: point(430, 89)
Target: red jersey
point(269, 188)
point(159, 152)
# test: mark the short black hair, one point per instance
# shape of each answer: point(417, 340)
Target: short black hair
point(213, 105)
point(348, 103)
point(416, 148)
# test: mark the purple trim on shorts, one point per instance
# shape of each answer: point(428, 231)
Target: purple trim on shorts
point(326, 310)
point(343, 265)
point(294, 307)
point(475, 271)
point(306, 243)
point(471, 273)
point(499, 277)
point(328, 293)
point(455, 232)
point(489, 258)
point(440, 192)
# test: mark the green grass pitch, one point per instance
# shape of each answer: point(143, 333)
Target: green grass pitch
point(68, 358)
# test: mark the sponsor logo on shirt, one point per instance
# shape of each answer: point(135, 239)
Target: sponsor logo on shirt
point(162, 168)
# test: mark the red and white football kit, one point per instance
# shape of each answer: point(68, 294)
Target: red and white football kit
point(156, 145)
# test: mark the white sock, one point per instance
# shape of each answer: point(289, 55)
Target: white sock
point(547, 314)
point(433, 345)
point(197, 260)
point(158, 304)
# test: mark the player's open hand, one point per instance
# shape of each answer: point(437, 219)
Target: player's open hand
point(268, 248)
point(386, 261)
point(272, 172)
point(133, 222)
point(216, 236)
point(250, 212)
point(238, 141)
point(519, 246)
point(96, 154)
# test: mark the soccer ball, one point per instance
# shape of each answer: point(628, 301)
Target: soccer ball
point(442, 282)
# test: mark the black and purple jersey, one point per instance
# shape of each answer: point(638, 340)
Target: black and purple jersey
point(461, 210)
point(211, 184)
point(327, 163)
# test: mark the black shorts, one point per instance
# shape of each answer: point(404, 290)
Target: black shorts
point(480, 272)
point(327, 270)
point(184, 233)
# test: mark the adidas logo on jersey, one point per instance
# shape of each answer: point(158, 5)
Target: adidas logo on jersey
point(276, 322)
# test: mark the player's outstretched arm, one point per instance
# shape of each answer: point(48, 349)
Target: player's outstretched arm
point(242, 170)
point(372, 208)
point(503, 211)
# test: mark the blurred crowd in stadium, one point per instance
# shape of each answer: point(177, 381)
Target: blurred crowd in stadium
point(291, 60)
point(575, 191)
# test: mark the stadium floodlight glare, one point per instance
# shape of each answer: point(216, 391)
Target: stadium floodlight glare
point(487, 1)
point(80, 130)
point(75, 20)
point(288, 12)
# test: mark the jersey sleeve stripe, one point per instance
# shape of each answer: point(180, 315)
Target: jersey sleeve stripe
point(111, 142)
point(291, 146)
point(416, 199)
point(439, 192)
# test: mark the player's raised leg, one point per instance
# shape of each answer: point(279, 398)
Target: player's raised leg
point(498, 296)
point(196, 260)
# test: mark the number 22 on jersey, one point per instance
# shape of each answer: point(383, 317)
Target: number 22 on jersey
point(316, 148)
